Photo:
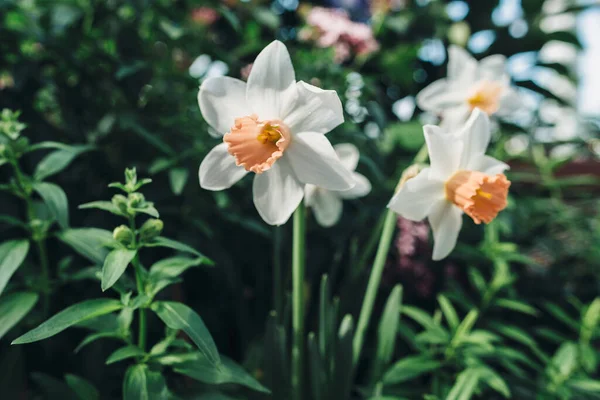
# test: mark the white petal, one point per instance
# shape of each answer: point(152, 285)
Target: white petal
point(277, 193)
point(510, 102)
point(222, 100)
point(315, 110)
point(476, 135)
point(439, 96)
point(418, 195)
point(348, 155)
point(445, 151)
point(488, 165)
point(361, 189)
point(454, 118)
point(314, 161)
point(327, 207)
point(309, 194)
point(462, 67)
point(218, 170)
point(445, 220)
point(492, 68)
point(271, 89)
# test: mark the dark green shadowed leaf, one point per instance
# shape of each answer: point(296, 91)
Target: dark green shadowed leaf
point(202, 370)
point(409, 368)
point(449, 312)
point(114, 265)
point(102, 205)
point(173, 244)
point(179, 316)
point(124, 353)
point(89, 242)
point(387, 332)
point(12, 255)
point(57, 161)
point(56, 201)
point(70, 316)
point(95, 336)
point(13, 308)
point(142, 384)
point(178, 178)
point(82, 387)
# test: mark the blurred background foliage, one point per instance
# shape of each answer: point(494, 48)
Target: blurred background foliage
point(122, 76)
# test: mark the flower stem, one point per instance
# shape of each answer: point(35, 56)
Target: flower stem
point(385, 241)
point(277, 278)
point(45, 270)
point(142, 311)
point(298, 303)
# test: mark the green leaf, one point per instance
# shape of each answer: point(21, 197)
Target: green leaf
point(465, 385)
point(590, 320)
point(517, 306)
point(494, 381)
point(89, 242)
point(561, 315)
point(57, 161)
point(179, 316)
point(82, 387)
point(341, 383)
point(449, 312)
point(203, 370)
point(135, 385)
point(174, 266)
point(12, 255)
point(56, 201)
point(13, 308)
point(565, 359)
point(409, 368)
point(70, 316)
point(53, 388)
point(103, 205)
point(178, 178)
point(515, 333)
point(173, 244)
point(124, 353)
point(465, 327)
point(586, 385)
point(114, 265)
point(95, 336)
point(387, 331)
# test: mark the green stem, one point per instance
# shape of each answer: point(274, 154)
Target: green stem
point(277, 278)
point(385, 241)
point(142, 311)
point(367, 307)
point(298, 303)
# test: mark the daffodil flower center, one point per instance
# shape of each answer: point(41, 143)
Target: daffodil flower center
point(479, 195)
point(256, 145)
point(486, 96)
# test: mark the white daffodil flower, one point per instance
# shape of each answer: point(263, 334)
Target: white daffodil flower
point(327, 204)
point(460, 178)
point(275, 127)
point(469, 85)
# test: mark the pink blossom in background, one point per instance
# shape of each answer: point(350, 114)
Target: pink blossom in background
point(204, 15)
point(333, 28)
point(245, 71)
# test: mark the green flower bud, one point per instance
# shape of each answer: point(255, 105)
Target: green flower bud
point(121, 202)
point(151, 229)
point(136, 200)
point(39, 229)
point(130, 176)
point(124, 235)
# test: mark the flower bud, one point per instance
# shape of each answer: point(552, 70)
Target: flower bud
point(151, 229)
point(130, 176)
point(123, 235)
point(39, 229)
point(136, 200)
point(121, 202)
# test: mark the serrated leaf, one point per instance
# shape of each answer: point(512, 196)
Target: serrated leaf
point(12, 255)
point(69, 316)
point(114, 266)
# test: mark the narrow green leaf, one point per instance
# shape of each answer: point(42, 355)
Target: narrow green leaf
point(53, 388)
point(12, 255)
point(124, 353)
point(561, 315)
point(114, 265)
point(84, 389)
point(342, 374)
point(229, 372)
point(494, 381)
point(57, 161)
point(56, 201)
point(103, 205)
point(465, 327)
point(409, 368)
point(316, 368)
point(516, 305)
point(387, 332)
point(13, 308)
point(178, 177)
point(586, 385)
point(173, 244)
point(70, 316)
point(135, 385)
point(449, 312)
point(179, 316)
point(89, 242)
point(95, 336)
point(589, 322)
point(173, 267)
point(465, 385)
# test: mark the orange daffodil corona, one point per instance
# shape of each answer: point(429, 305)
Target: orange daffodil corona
point(460, 179)
point(275, 127)
point(327, 204)
point(470, 84)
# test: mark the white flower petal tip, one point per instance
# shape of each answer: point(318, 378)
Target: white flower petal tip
point(221, 101)
point(218, 170)
point(315, 110)
point(446, 222)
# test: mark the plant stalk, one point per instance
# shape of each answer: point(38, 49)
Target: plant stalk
point(298, 303)
point(142, 311)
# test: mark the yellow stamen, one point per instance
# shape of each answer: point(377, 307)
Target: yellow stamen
point(486, 96)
